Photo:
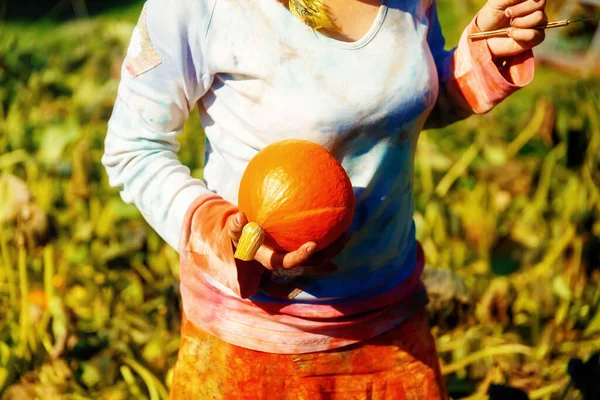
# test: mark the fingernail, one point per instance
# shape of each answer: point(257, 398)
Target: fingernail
point(238, 218)
point(508, 12)
point(311, 248)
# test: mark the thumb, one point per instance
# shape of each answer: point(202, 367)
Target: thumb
point(235, 225)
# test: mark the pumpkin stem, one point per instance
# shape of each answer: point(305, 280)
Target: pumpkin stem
point(253, 236)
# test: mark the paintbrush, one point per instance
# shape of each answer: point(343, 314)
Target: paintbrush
point(547, 25)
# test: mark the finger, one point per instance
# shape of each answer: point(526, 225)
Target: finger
point(525, 8)
point(527, 38)
point(530, 20)
point(295, 258)
point(273, 260)
point(266, 256)
point(235, 225)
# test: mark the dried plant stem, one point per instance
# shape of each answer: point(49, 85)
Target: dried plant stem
point(143, 271)
point(532, 128)
point(594, 144)
point(541, 194)
point(556, 249)
point(253, 236)
point(24, 322)
point(48, 288)
point(155, 387)
point(49, 271)
point(3, 273)
point(505, 31)
point(425, 164)
point(594, 194)
point(572, 273)
point(130, 380)
point(8, 270)
point(582, 345)
point(547, 390)
point(486, 353)
point(444, 347)
point(566, 390)
point(457, 169)
point(14, 157)
point(3, 267)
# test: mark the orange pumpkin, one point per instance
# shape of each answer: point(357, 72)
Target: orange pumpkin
point(293, 192)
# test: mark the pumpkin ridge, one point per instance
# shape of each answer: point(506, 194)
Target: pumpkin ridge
point(321, 210)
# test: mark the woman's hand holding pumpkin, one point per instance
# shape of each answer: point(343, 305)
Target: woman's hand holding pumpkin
point(521, 16)
point(305, 256)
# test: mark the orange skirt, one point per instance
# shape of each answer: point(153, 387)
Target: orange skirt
point(399, 364)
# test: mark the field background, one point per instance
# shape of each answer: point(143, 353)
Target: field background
point(507, 211)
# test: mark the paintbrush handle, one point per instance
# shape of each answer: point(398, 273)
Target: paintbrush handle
point(504, 31)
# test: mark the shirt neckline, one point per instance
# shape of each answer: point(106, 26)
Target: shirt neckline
point(362, 42)
point(367, 37)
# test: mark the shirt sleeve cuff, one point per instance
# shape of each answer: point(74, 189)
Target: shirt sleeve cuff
point(205, 245)
point(476, 82)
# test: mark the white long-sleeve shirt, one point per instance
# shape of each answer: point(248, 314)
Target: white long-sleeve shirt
point(260, 75)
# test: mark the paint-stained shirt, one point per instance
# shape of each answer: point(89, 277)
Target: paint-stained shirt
point(260, 75)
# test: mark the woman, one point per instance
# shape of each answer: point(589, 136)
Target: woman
point(346, 322)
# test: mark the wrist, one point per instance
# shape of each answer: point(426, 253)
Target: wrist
point(499, 61)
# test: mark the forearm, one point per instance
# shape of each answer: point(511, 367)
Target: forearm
point(472, 82)
point(144, 166)
point(162, 78)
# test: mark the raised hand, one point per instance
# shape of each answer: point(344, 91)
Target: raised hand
point(520, 16)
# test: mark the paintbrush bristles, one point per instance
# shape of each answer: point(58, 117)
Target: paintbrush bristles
point(312, 12)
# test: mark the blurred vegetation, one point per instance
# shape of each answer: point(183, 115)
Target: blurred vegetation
point(507, 208)
point(58, 10)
